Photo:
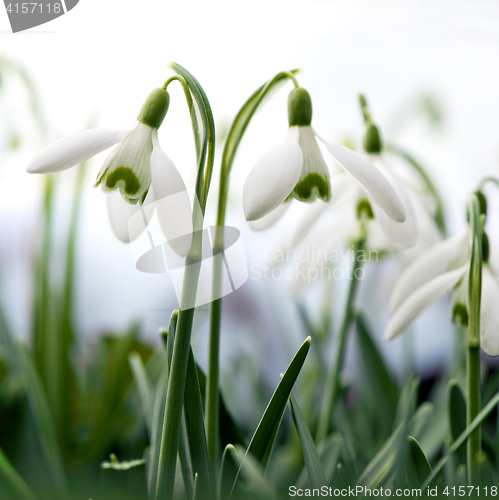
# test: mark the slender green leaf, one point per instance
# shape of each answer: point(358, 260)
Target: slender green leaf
point(379, 380)
point(156, 428)
point(13, 481)
point(263, 439)
point(418, 467)
point(228, 472)
point(196, 435)
point(477, 421)
point(143, 387)
point(44, 421)
point(457, 416)
point(310, 454)
point(256, 484)
point(230, 432)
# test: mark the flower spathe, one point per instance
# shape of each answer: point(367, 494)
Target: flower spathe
point(297, 168)
point(443, 268)
point(137, 167)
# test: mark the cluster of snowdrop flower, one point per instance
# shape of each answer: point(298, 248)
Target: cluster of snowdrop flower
point(137, 171)
point(369, 198)
point(443, 268)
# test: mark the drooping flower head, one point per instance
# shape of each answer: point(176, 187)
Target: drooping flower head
point(297, 169)
point(137, 167)
point(443, 268)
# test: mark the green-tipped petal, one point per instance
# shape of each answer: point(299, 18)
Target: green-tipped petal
point(314, 179)
point(129, 167)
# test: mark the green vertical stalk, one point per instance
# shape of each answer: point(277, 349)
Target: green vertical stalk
point(205, 143)
point(332, 388)
point(236, 132)
point(473, 353)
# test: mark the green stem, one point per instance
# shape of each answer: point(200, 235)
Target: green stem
point(205, 145)
point(234, 137)
point(473, 355)
point(332, 388)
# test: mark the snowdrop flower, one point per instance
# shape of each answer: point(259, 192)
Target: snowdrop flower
point(443, 268)
point(297, 169)
point(136, 163)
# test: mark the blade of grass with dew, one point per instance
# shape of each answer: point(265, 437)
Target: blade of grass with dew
point(143, 387)
point(477, 421)
point(44, 422)
point(310, 454)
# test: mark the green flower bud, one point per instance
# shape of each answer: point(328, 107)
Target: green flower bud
point(372, 140)
point(154, 110)
point(299, 108)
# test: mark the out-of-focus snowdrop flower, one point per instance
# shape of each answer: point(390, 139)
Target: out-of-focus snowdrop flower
point(297, 169)
point(137, 168)
point(444, 268)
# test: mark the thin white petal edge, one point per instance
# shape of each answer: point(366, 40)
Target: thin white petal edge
point(74, 149)
point(435, 261)
point(489, 322)
point(416, 303)
point(370, 177)
point(273, 178)
point(270, 219)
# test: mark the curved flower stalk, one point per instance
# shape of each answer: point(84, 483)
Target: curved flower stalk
point(137, 168)
point(297, 169)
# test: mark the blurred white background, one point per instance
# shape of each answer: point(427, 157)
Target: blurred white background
point(98, 63)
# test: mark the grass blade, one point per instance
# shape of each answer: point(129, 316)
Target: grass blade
point(462, 438)
point(310, 454)
point(13, 481)
point(143, 387)
point(262, 441)
point(418, 467)
point(457, 416)
point(44, 421)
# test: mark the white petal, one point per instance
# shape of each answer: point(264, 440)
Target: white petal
point(371, 179)
point(489, 317)
point(440, 258)
point(272, 178)
point(119, 212)
point(271, 218)
point(129, 168)
point(400, 235)
point(74, 149)
point(172, 201)
point(314, 179)
point(421, 299)
point(341, 199)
